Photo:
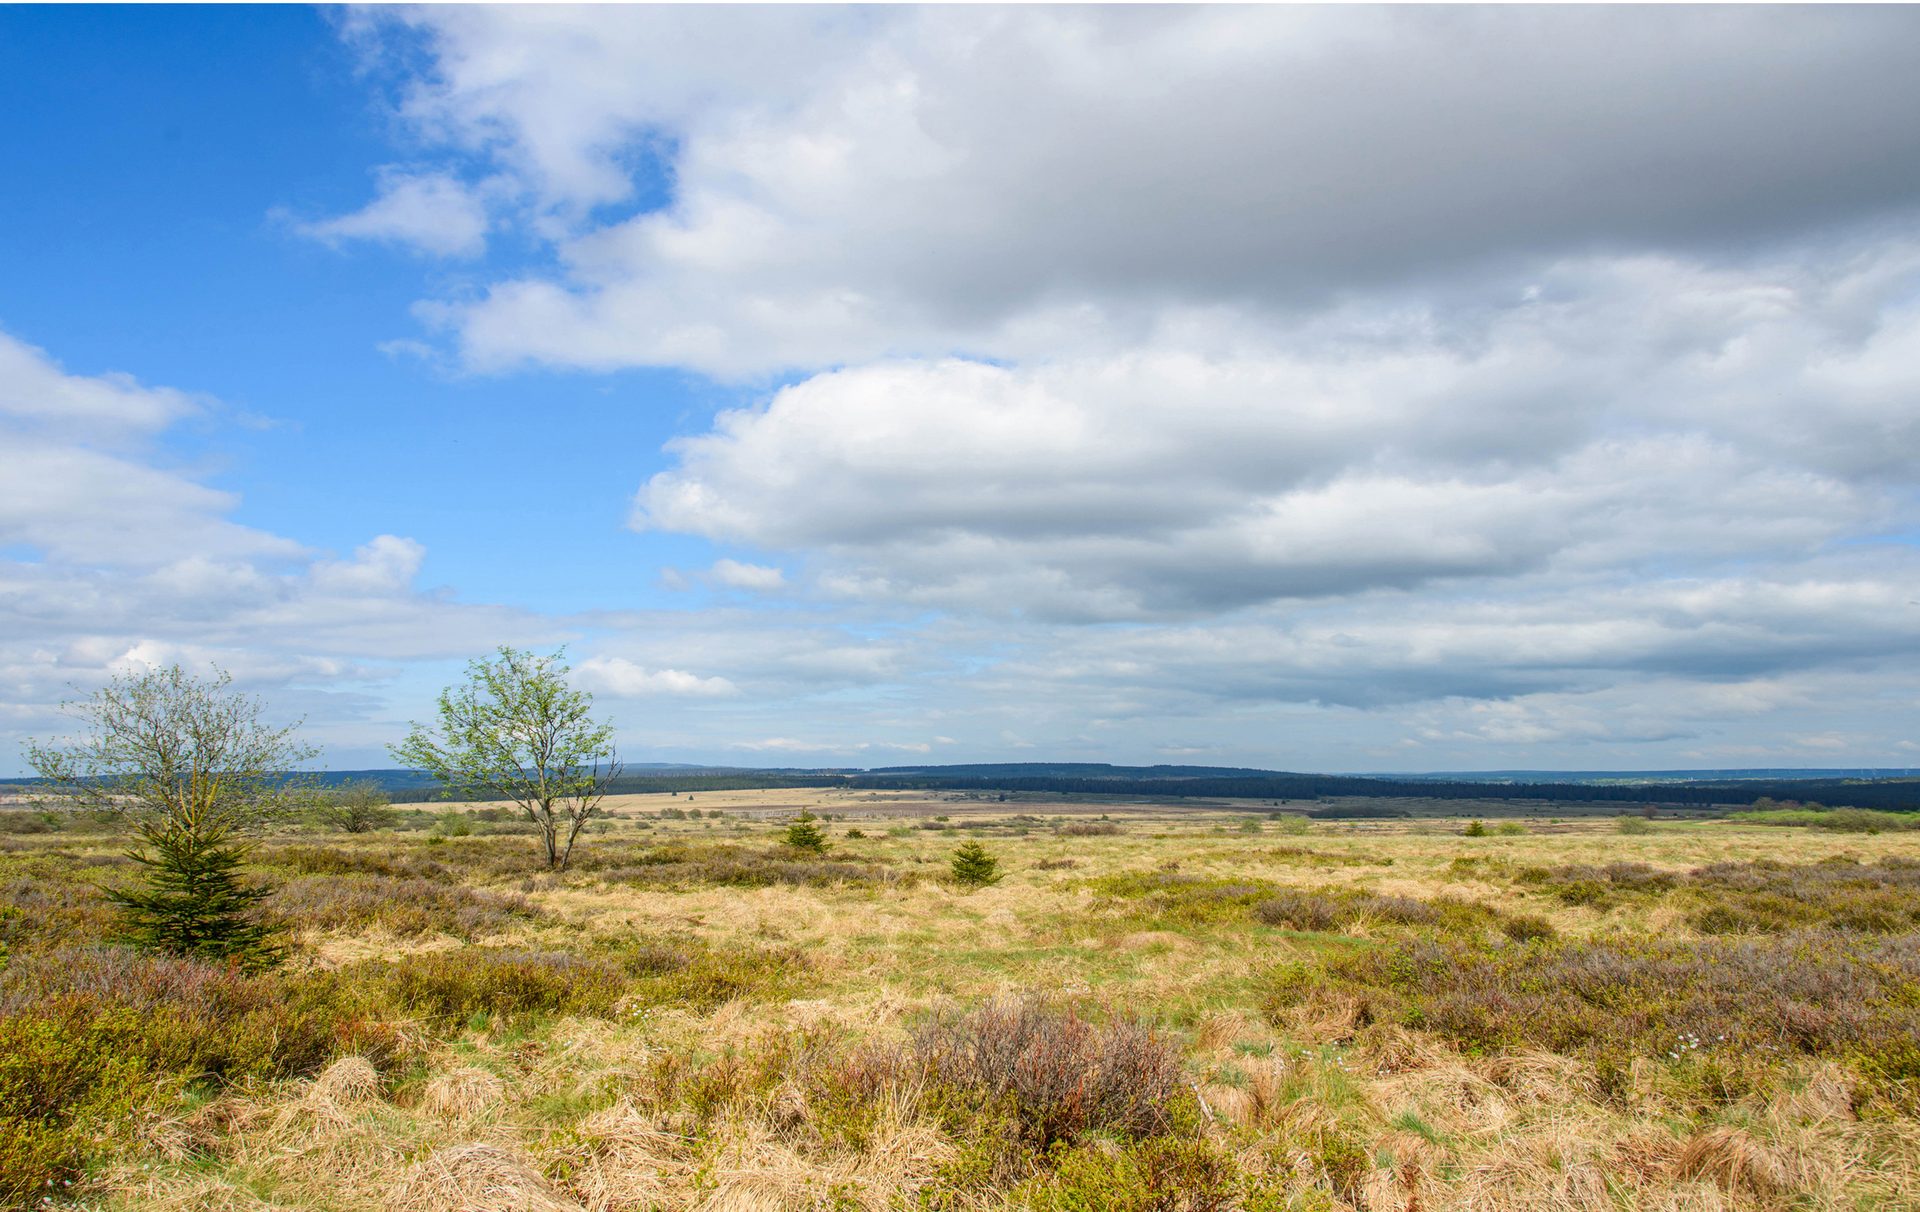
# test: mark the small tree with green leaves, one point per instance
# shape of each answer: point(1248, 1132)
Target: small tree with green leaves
point(1474, 829)
point(197, 769)
point(803, 834)
point(974, 867)
point(515, 730)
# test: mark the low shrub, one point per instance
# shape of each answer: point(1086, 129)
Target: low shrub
point(1321, 912)
point(404, 906)
point(1056, 1074)
point(1753, 897)
point(1088, 829)
point(1842, 820)
point(88, 1033)
point(1722, 1003)
point(1182, 898)
point(456, 986)
point(738, 867)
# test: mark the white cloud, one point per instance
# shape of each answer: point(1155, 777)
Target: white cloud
point(1654, 411)
point(622, 678)
point(432, 213)
point(848, 186)
point(758, 578)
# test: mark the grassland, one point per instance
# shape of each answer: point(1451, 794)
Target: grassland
point(1205, 1007)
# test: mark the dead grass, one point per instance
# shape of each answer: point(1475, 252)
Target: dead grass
point(682, 1022)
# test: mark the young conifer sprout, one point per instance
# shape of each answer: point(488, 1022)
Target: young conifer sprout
point(515, 730)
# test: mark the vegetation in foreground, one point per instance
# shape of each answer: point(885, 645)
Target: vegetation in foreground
point(1163, 1010)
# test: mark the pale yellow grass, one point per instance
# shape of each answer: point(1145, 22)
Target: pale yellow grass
point(561, 1121)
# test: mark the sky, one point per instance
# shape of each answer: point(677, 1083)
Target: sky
point(1357, 389)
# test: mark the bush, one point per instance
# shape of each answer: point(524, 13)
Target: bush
point(404, 906)
point(1088, 829)
point(1844, 820)
point(1727, 1004)
point(804, 835)
point(1474, 829)
point(1633, 825)
point(87, 1033)
point(1058, 1076)
point(194, 902)
point(458, 985)
point(973, 867)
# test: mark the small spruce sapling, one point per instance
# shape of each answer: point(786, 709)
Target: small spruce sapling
point(803, 834)
point(974, 867)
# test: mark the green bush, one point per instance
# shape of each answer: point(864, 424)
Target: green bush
point(974, 867)
point(805, 836)
point(456, 986)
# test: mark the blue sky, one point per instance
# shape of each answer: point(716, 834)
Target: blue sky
point(861, 387)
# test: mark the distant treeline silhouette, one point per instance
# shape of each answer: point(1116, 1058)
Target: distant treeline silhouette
point(1202, 782)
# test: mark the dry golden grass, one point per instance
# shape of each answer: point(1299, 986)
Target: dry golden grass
point(575, 1113)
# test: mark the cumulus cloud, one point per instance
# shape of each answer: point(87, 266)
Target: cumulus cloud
point(621, 678)
point(432, 213)
point(929, 181)
point(1627, 414)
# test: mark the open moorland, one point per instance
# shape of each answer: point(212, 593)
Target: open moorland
point(1154, 1007)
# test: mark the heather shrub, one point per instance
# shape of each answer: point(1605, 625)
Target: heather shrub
point(403, 906)
point(1088, 829)
point(1161, 1174)
point(456, 986)
point(1189, 899)
point(1320, 912)
point(88, 1033)
point(677, 865)
point(1754, 897)
point(702, 978)
point(1058, 1076)
point(319, 860)
point(1723, 1004)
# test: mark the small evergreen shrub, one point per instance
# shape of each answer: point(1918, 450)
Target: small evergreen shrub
point(194, 902)
point(974, 867)
point(804, 835)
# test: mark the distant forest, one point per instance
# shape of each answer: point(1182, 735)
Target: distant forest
point(1898, 794)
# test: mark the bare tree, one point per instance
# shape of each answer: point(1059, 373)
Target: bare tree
point(361, 806)
point(515, 730)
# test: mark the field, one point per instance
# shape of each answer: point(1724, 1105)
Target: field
point(1172, 1006)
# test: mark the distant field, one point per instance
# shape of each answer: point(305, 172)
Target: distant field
point(1181, 1006)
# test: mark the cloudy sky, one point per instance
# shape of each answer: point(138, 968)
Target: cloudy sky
point(1337, 389)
